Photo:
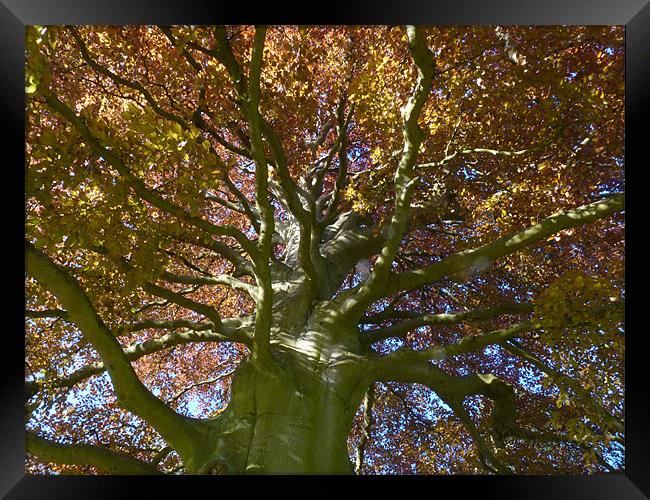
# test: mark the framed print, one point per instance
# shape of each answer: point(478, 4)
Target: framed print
point(379, 243)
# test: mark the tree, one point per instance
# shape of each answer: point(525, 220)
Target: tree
point(324, 249)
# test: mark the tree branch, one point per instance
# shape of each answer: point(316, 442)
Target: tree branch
point(46, 313)
point(130, 392)
point(248, 95)
point(138, 185)
point(479, 257)
point(563, 380)
point(163, 325)
point(202, 383)
point(122, 81)
point(452, 390)
point(242, 266)
point(231, 332)
point(404, 178)
point(107, 460)
point(444, 319)
point(209, 312)
point(253, 215)
point(342, 148)
point(224, 279)
point(467, 344)
point(366, 425)
point(486, 452)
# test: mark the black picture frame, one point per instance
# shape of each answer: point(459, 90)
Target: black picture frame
point(634, 14)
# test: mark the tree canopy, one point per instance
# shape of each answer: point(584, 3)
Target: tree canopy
point(447, 202)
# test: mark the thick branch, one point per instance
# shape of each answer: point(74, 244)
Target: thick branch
point(107, 460)
point(366, 425)
point(209, 312)
point(223, 279)
point(404, 178)
point(486, 452)
point(309, 242)
point(130, 392)
point(141, 349)
point(46, 313)
point(248, 95)
point(479, 257)
point(342, 173)
point(453, 390)
point(466, 344)
point(444, 319)
point(163, 325)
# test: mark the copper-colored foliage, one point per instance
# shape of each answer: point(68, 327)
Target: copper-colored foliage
point(511, 135)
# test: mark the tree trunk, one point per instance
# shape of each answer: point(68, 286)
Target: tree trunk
point(293, 415)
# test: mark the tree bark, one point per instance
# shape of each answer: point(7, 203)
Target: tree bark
point(293, 415)
point(293, 401)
